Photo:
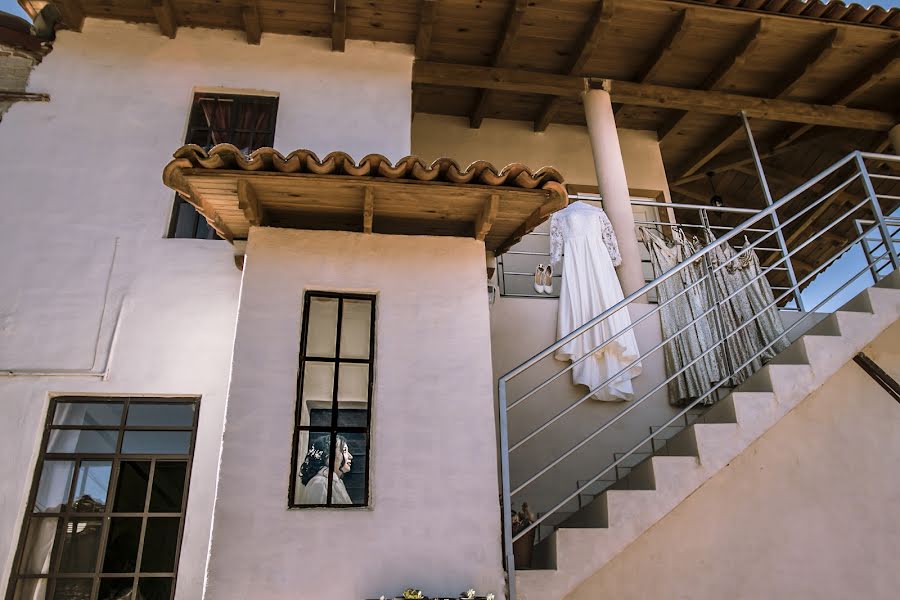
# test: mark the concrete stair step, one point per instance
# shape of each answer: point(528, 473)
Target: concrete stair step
point(593, 535)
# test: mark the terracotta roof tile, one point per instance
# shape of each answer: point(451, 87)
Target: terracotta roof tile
point(828, 10)
point(226, 156)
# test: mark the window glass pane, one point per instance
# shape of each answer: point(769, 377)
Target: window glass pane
point(88, 413)
point(168, 415)
point(356, 324)
point(321, 331)
point(353, 384)
point(115, 588)
point(73, 589)
point(53, 489)
point(314, 464)
point(156, 442)
point(77, 441)
point(38, 546)
point(91, 486)
point(318, 387)
point(122, 545)
point(168, 486)
point(30, 589)
point(154, 588)
point(131, 490)
point(81, 542)
point(354, 472)
point(160, 544)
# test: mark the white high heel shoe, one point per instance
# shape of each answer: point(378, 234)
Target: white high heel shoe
point(539, 279)
point(547, 281)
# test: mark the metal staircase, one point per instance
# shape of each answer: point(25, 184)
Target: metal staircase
point(615, 500)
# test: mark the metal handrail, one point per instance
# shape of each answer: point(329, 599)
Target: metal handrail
point(880, 223)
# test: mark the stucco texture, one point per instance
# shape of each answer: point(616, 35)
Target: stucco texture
point(808, 511)
point(93, 298)
point(434, 518)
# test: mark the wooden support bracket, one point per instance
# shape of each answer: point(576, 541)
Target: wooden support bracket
point(72, 13)
point(339, 26)
point(486, 218)
point(165, 16)
point(248, 201)
point(252, 25)
point(368, 209)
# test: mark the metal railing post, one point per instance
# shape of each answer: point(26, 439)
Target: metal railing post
point(876, 210)
point(779, 234)
point(508, 556)
point(866, 250)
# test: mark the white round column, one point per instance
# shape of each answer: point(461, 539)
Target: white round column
point(613, 185)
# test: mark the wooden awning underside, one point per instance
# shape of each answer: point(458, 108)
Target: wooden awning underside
point(234, 192)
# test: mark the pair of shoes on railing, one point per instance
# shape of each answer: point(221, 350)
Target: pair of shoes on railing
point(543, 279)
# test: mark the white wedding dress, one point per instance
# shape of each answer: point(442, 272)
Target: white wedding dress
point(585, 236)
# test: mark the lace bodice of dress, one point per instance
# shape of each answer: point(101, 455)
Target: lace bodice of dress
point(577, 220)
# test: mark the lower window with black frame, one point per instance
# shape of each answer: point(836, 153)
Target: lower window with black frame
point(106, 509)
point(334, 401)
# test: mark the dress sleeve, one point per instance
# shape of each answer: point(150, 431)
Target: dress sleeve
point(556, 241)
point(609, 238)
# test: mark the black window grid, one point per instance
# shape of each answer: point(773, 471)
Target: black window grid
point(186, 222)
point(67, 514)
point(334, 429)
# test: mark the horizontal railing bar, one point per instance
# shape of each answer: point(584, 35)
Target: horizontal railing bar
point(643, 290)
point(887, 197)
point(889, 177)
point(635, 403)
point(880, 157)
point(652, 436)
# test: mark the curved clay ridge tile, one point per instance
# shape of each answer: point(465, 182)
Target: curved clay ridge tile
point(227, 156)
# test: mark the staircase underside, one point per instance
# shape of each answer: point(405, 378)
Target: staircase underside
point(591, 537)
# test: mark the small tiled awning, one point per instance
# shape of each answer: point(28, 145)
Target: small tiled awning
point(234, 192)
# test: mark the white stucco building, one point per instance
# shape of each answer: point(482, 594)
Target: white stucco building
point(232, 373)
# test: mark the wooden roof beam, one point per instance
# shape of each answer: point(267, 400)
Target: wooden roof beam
point(252, 25)
point(71, 13)
point(749, 43)
point(848, 91)
point(368, 209)
point(339, 26)
point(510, 32)
point(672, 38)
point(165, 17)
point(821, 53)
point(590, 38)
point(427, 16)
point(486, 217)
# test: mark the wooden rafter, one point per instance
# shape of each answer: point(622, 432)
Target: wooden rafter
point(427, 16)
point(252, 25)
point(368, 209)
point(24, 96)
point(850, 90)
point(71, 13)
point(720, 74)
point(486, 217)
point(165, 17)
point(248, 201)
point(590, 38)
point(652, 95)
point(821, 53)
point(510, 32)
point(339, 26)
point(739, 158)
point(669, 42)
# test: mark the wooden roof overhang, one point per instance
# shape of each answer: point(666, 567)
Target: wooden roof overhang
point(234, 192)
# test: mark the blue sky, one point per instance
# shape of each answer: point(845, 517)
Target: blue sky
point(11, 6)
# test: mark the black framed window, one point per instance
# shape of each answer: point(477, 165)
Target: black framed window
point(248, 122)
point(330, 457)
point(106, 509)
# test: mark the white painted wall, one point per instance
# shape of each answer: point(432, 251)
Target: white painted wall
point(434, 519)
point(84, 214)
